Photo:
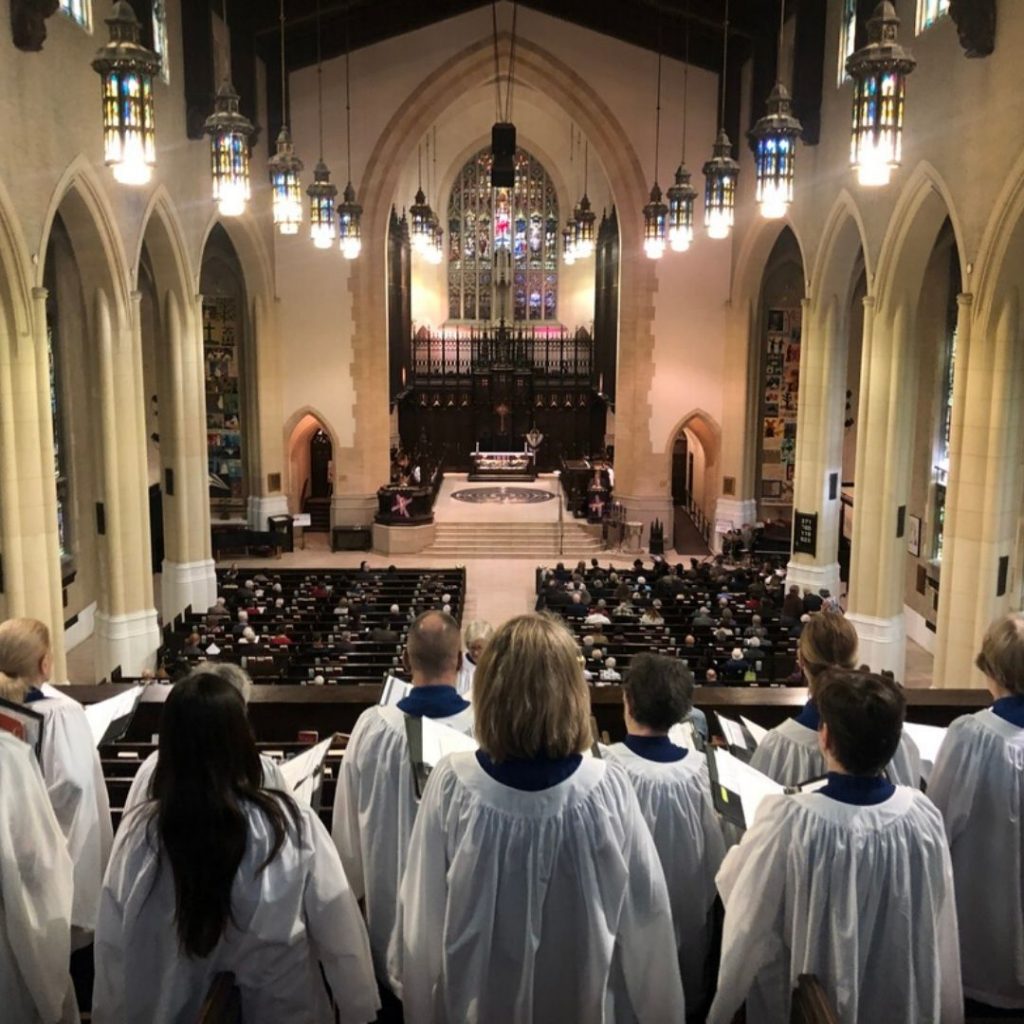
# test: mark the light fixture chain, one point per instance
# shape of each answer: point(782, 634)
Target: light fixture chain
point(284, 75)
point(319, 82)
point(511, 64)
point(725, 67)
point(497, 63)
point(348, 101)
point(657, 122)
point(686, 80)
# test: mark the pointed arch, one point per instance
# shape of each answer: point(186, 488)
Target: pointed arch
point(706, 429)
point(836, 260)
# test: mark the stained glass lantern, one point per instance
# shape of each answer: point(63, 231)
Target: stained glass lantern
point(285, 168)
point(681, 197)
point(720, 174)
point(127, 69)
point(585, 218)
point(436, 252)
point(229, 133)
point(569, 243)
point(879, 72)
point(421, 233)
point(655, 218)
point(775, 138)
point(349, 232)
point(321, 207)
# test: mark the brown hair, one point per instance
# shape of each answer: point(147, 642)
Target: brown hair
point(1001, 657)
point(828, 640)
point(23, 645)
point(864, 713)
point(529, 695)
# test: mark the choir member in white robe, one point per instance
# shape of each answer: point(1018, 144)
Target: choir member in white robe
point(375, 801)
point(70, 764)
point(216, 875)
point(139, 791)
point(533, 891)
point(852, 883)
point(978, 785)
point(789, 754)
point(672, 786)
point(35, 896)
point(476, 635)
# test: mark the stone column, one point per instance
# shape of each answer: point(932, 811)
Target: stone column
point(819, 442)
point(983, 490)
point(187, 573)
point(887, 399)
point(127, 631)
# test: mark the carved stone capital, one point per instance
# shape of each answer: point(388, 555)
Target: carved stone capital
point(28, 22)
point(975, 22)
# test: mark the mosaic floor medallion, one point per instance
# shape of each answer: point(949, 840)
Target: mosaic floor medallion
point(503, 496)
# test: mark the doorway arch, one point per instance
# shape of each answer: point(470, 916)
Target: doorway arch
point(311, 449)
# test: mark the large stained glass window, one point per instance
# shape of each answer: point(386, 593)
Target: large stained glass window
point(521, 221)
point(929, 12)
point(847, 37)
point(60, 469)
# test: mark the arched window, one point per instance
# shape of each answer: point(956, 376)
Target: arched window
point(522, 221)
point(77, 10)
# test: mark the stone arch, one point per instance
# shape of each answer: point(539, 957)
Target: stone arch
point(15, 277)
point(758, 245)
point(163, 238)
point(706, 429)
point(298, 430)
point(1002, 233)
point(836, 262)
point(250, 249)
point(366, 459)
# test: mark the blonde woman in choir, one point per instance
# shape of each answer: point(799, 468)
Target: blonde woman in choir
point(70, 764)
point(35, 896)
point(533, 891)
point(671, 783)
point(217, 874)
point(978, 784)
point(790, 753)
point(476, 635)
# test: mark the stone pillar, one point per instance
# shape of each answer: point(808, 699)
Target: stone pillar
point(983, 489)
point(887, 399)
point(819, 442)
point(187, 573)
point(127, 631)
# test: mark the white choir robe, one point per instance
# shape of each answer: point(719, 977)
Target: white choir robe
point(464, 682)
point(542, 907)
point(790, 755)
point(978, 784)
point(860, 896)
point(675, 800)
point(295, 912)
point(74, 779)
point(374, 811)
point(139, 793)
point(36, 892)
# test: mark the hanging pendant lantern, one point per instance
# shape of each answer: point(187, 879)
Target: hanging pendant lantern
point(285, 168)
point(879, 72)
point(681, 197)
point(127, 69)
point(229, 133)
point(349, 232)
point(655, 214)
point(321, 207)
point(720, 174)
point(569, 243)
point(775, 138)
point(421, 232)
point(585, 218)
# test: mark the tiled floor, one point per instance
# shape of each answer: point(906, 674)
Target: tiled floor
point(449, 510)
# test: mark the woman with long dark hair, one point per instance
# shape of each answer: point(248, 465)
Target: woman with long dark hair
point(216, 874)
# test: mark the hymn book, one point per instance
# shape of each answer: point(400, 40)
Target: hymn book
point(429, 741)
point(109, 719)
point(928, 739)
point(304, 772)
point(741, 742)
point(393, 691)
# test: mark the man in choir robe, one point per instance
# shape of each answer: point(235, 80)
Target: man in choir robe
point(36, 886)
point(375, 803)
point(852, 883)
point(672, 786)
point(978, 785)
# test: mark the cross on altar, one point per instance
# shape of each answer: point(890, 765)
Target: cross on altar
point(401, 505)
point(596, 506)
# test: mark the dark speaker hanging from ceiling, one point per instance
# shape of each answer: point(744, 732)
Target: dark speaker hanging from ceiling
point(503, 151)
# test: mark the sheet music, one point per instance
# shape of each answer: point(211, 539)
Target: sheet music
point(439, 740)
point(757, 732)
point(683, 734)
point(733, 732)
point(394, 690)
point(928, 739)
point(750, 785)
point(301, 772)
point(104, 713)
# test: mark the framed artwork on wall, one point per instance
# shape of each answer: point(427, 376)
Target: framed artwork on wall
point(914, 536)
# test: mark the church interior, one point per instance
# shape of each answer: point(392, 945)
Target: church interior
point(319, 315)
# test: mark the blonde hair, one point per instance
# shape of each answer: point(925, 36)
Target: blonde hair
point(828, 640)
point(23, 645)
point(1002, 653)
point(478, 629)
point(529, 695)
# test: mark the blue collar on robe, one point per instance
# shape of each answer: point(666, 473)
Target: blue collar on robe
point(655, 748)
point(810, 716)
point(432, 702)
point(530, 774)
point(861, 790)
point(33, 695)
point(1010, 709)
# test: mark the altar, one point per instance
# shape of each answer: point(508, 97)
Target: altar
point(502, 466)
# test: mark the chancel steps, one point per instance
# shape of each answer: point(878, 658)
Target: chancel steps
point(514, 540)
